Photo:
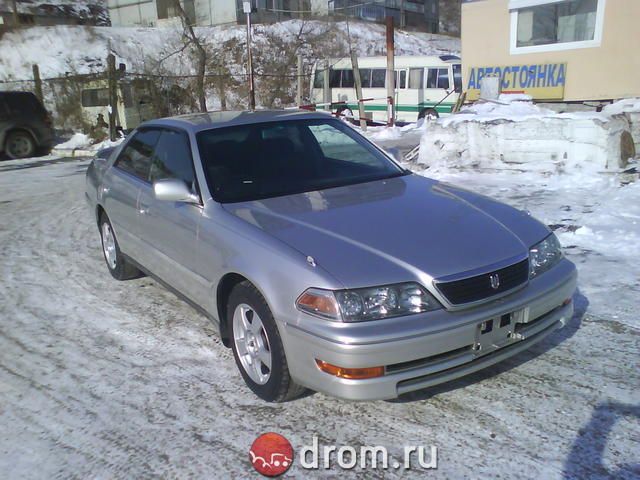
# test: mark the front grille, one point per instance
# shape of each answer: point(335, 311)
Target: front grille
point(477, 288)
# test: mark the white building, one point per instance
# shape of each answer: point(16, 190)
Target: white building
point(130, 13)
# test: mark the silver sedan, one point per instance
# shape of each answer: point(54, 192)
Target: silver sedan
point(324, 264)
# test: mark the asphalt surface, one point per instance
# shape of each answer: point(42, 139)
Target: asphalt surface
point(107, 379)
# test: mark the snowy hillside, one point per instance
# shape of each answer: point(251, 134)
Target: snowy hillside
point(54, 48)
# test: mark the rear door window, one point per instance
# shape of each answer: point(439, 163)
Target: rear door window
point(135, 159)
point(23, 102)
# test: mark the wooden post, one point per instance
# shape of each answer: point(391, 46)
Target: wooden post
point(37, 82)
point(113, 96)
point(16, 16)
point(300, 93)
point(358, 83)
point(325, 84)
point(390, 69)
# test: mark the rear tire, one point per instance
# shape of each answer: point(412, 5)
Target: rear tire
point(257, 347)
point(118, 266)
point(428, 113)
point(20, 144)
point(344, 112)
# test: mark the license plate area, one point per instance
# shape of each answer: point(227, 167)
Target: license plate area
point(497, 332)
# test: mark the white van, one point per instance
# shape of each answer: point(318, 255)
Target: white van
point(425, 86)
point(134, 104)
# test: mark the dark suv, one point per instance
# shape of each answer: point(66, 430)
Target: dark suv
point(25, 125)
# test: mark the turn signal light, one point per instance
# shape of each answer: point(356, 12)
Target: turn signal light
point(350, 373)
point(566, 302)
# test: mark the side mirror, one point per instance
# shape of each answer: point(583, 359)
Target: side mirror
point(173, 190)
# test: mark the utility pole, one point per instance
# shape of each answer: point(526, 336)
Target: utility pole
point(326, 89)
point(358, 83)
point(113, 95)
point(37, 82)
point(300, 80)
point(391, 73)
point(16, 17)
point(246, 7)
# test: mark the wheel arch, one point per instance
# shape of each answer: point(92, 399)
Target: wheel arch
point(225, 286)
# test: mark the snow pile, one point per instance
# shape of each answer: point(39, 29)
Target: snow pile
point(78, 140)
point(81, 141)
point(630, 108)
point(514, 132)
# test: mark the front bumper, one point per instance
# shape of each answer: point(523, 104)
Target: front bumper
point(422, 350)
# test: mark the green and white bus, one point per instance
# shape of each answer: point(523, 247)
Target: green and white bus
point(425, 86)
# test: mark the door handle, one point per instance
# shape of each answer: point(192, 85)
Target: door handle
point(143, 210)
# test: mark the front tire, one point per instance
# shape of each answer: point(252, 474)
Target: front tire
point(20, 144)
point(118, 266)
point(257, 347)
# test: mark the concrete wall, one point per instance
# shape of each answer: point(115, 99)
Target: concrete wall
point(215, 12)
point(609, 71)
point(130, 13)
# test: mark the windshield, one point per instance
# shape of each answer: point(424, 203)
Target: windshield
point(262, 160)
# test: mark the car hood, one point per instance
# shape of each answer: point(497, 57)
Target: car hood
point(398, 229)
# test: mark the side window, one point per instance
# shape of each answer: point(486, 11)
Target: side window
point(334, 79)
point(365, 77)
point(401, 79)
point(378, 76)
point(136, 156)
point(95, 97)
point(443, 78)
point(432, 78)
point(172, 158)
point(347, 79)
point(416, 76)
point(457, 77)
point(318, 80)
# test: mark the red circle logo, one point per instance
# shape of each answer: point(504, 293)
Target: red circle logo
point(271, 454)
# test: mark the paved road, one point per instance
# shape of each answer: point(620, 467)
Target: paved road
point(107, 379)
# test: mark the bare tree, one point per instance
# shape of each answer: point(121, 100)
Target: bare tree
point(191, 39)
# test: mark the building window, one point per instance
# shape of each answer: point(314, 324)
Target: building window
point(546, 25)
point(167, 9)
point(95, 97)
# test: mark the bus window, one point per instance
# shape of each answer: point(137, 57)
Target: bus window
point(318, 80)
point(438, 78)
point(334, 79)
point(432, 78)
point(401, 79)
point(457, 78)
point(347, 79)
point(377, 77)
point(443, 78)
point(365, 77)
point(416, 76)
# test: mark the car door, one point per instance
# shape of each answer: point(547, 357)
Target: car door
point(170, 229)
point(121, 188)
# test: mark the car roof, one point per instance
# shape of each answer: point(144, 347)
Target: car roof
point(196, 122)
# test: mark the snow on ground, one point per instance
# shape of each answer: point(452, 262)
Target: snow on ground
point(85, 142)
point(107, 379)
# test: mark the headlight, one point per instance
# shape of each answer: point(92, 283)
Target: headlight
point(367, 303)
point(544, 255)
